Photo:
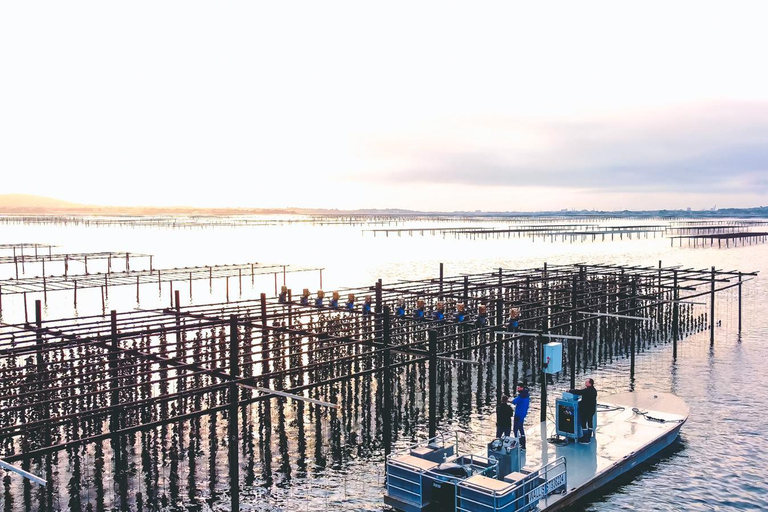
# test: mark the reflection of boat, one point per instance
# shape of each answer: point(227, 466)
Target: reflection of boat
point(551, 474)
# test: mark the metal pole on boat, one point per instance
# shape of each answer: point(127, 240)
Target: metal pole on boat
point(387, 420)
point(432, 383)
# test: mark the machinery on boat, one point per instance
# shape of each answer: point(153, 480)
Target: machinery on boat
point(436, 475)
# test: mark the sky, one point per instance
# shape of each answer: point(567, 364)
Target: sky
point(442, 106)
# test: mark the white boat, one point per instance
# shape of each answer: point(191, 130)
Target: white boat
point(552, 473)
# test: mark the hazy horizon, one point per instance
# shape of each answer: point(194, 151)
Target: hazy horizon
point(33, 203)
point(495, 107)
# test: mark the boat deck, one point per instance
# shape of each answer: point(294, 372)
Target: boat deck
point(623, 438)
point(631, 427)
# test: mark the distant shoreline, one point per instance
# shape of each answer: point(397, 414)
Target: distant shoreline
point(83, 210)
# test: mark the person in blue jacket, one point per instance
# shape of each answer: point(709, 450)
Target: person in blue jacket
point(400, 310)
point(418, 313)
point(367, 305)
point(513, 324)
point(283, 297)
point(351, 302)
point(304, 297)
point(521, 402)
point(459, 316)
point(438, 314)
point(334, 304)
point(319, 299)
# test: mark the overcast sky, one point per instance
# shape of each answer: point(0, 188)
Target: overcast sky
point(430, 106)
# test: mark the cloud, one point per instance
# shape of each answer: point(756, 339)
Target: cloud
point(701, 148)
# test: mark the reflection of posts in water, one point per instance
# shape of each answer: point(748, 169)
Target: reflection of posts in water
point(285, 461)
point(194, 442)
point(318, 411)
point(213, 447)
point(301, 462)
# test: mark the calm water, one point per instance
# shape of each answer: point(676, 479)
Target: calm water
point(719, 463)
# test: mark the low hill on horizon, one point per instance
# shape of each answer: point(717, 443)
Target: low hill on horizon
point(39, 205)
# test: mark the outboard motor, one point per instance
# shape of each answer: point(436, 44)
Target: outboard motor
point(444, 477)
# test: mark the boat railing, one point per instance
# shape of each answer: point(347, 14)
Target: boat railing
point(521, 496)
point(439, 441)
point(404, 486)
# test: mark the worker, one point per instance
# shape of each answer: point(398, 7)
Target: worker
point(521, 402)
point(400, 310)
point(459, 316)
point(319, 299)
point(438, 314)
point(350, 302)
point(367, 305)
point(283, 297)
point(513, 323)
point(504, 415)
point(418, 313)
point(482, 317)
point(587, 408)
point(304, 297)
point(334, 300)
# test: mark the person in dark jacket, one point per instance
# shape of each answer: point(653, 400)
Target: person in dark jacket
point(482, 317)
point(504, 415)
point(587, 408)
point(521, 402)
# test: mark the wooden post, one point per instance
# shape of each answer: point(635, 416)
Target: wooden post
point(265, 360)
point(432, 383)
point(632, 332)
point(177, 308)
point(440, 296)
point(739, 302)
point(387, 412)
point(499, 368)
point(114, 402)
point(543, 379)
point(232, 430)
point(572, 343)
point(712, 310)
point(675, 315)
